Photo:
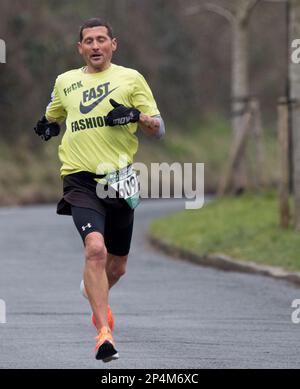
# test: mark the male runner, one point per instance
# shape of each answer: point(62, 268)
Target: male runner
point(103, 105)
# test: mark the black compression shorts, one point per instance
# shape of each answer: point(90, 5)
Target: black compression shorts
point(117, 238)
point(112, 217)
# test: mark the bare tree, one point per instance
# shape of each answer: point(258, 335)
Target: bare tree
point(238, 16)
point(240, 77)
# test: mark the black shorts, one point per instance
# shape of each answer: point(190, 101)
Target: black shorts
point(112, 217)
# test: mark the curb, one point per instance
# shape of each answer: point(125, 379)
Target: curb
point(225, 263)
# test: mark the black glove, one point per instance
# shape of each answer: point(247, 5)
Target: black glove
point(46, 130)
point(121, 115)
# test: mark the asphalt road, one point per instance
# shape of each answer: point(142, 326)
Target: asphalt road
point(169, 314)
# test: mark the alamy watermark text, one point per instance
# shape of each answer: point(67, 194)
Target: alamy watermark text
point(2, 312)
point(2, 51)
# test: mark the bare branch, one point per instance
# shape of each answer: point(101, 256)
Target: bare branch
point(245, 13)
point(220, 11)
point(229, 16)
point(252, 5)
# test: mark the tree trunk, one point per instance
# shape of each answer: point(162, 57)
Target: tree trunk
point(238, 17)
point(237, 152)
point(240, 91)
point(260, 177)
point(283, 138)
point(295, 96)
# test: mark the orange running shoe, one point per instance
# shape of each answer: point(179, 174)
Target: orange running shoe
point(105, 347)
point(110, 319)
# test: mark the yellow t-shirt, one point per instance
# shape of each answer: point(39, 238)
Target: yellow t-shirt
point(82, 99)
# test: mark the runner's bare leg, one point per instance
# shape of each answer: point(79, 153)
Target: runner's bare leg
point(115, 268)
point(95, 277)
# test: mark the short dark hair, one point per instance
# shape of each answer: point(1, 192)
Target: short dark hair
point(96, 22)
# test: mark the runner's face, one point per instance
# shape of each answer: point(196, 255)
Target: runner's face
point(97, 48)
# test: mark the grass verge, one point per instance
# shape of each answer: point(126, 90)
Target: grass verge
point(244, 228)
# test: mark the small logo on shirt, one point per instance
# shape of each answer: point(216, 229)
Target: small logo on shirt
point(86, 227)
point(99, 93)
point(73, 87)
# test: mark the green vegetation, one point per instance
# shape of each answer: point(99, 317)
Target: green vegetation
point(26, 176)
point(188, 69)
point(209, 142)
point(30, 170)
point(244, 228)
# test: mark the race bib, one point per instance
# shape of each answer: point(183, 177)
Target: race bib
point(125, 182)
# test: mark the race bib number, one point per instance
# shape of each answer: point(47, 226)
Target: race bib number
point(126, 183)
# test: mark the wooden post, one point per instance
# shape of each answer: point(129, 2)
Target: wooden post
point(283, 139)
point(237, 152)
point(260, 176)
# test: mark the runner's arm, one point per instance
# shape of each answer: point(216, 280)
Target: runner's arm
point(48, 126)
point(150, 120)
point(55, 111)
point(152, 125)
